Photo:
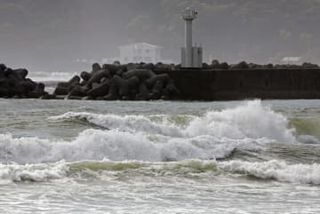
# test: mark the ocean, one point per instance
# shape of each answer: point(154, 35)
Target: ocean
point(51, 79)
point(64, 156)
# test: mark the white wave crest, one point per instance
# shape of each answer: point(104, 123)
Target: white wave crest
point(276, 170)
point(269, 170)
point(114, 145)
point(33, 172)
point(125, 123)
point(251, 120)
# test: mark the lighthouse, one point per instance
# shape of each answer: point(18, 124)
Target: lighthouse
point(191, 56)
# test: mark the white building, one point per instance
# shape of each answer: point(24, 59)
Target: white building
point(292, 60)
point(140, 52)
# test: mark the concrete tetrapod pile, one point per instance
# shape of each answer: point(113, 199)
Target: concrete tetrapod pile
point(118, 82)
point(15, 84)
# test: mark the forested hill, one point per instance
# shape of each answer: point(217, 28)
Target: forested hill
point(49, 35)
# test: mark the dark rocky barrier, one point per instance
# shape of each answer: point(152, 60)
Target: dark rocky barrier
point(119, 82)
point(15, 84)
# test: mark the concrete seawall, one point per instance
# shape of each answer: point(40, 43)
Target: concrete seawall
point(235, 84)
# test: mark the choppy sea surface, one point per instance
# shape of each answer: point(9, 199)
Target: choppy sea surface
point(255, 156)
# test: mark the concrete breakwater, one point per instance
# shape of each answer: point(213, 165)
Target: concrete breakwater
point(170, 82)
point(235, 84)
point(208, 84)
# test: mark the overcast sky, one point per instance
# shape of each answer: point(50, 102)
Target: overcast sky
point(50, 35)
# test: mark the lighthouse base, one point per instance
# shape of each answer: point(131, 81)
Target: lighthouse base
point(196, 61)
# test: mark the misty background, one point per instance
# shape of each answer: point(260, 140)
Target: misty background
point(50, 35)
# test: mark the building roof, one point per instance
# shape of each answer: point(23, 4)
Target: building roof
point(140, 45)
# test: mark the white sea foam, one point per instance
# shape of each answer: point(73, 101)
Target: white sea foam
point(276, 170)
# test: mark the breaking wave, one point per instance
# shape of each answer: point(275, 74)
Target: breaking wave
point(130, 123)
point(251, 120)
point(214, 135)
point(116, 146)
point(276, 170)
point(100, 170)
point(32, 172)
point(77, 171)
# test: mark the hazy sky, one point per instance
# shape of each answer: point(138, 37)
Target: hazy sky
point(51, 34)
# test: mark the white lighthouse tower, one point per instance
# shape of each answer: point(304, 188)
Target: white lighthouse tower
point(191, 56)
